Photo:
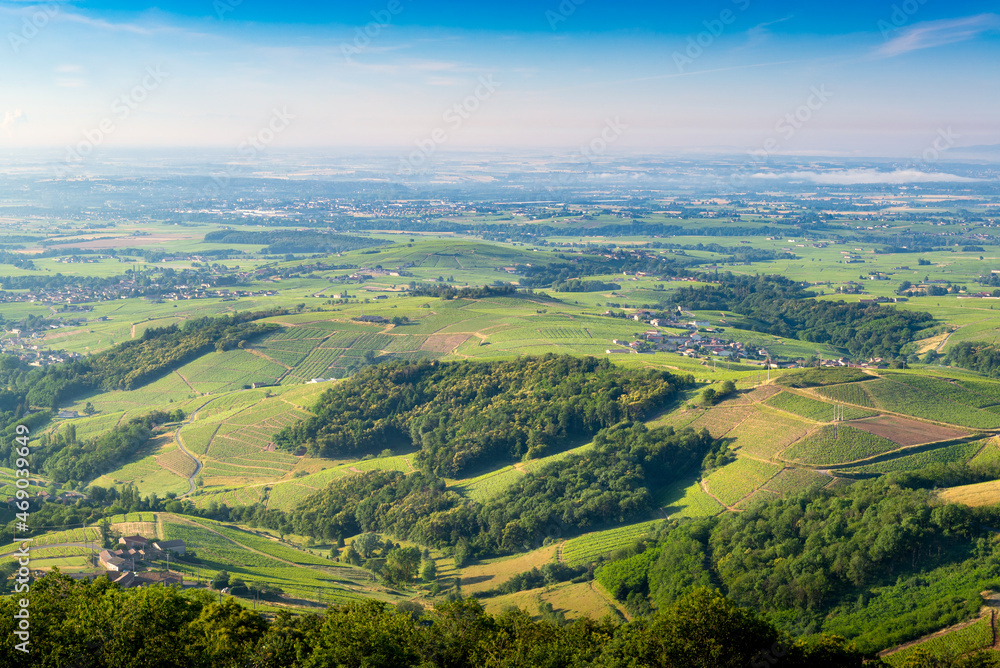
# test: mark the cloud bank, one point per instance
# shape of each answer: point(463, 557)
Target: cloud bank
point(848, 177)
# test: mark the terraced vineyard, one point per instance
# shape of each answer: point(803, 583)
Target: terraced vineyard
point(837, 444)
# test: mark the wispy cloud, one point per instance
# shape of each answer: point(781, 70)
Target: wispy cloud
point(846, 177)
point(759, 34)
point(938, 33)
point(106, 25)
point(10, 118)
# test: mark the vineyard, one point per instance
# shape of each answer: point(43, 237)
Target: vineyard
point(765, 434)
point(177, 462)
point(490, 484)
point(948, 389)
point(81, 535)
point(837, 444)
point(910, 400)
point(563, 333)
point(268, 546)
point(239, 496)
point(853, 393)
point(813, 409)
point(794, 481)
point(586, 548)
point(227, 371)
point(949, 646)
point(216, 553)
point(197, 437)
point(719, 420)
point(957, 453)
point(990, 454)
point(739, 479)
point(687, 499)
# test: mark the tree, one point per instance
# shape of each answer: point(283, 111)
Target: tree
point(108, 536)
point(221, 580)
point(351, 556)
point(89, 409)
point(429, 571)
point(366, 544)
point(462, 552)
point(402, 563)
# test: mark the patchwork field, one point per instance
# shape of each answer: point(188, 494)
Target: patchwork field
point(919, 399)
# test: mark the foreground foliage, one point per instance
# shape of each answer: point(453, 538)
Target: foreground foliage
point(99, 625)
point(876, 562)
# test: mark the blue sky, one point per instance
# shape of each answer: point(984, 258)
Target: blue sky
point(782, 78)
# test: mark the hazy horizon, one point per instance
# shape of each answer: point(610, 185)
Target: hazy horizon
point(852, 80)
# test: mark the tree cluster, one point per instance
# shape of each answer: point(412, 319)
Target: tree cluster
point(614, 481)
point(466, 414)
point(877, 562)
point(782, 307)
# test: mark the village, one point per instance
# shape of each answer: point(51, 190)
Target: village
point(28, 346)
point(698, 340)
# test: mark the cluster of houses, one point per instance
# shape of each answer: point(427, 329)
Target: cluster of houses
point(872, 363)
point(66, 498)
point(70, 295)
point(691, 344)
point(183, 292)
point(136, 550)
point(29, 348)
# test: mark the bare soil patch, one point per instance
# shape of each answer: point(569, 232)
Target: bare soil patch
point(481, 577)
point(905, 432)
point(444, 343)
point(147, 529)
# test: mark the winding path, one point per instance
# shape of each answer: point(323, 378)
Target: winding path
point(180, 444)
